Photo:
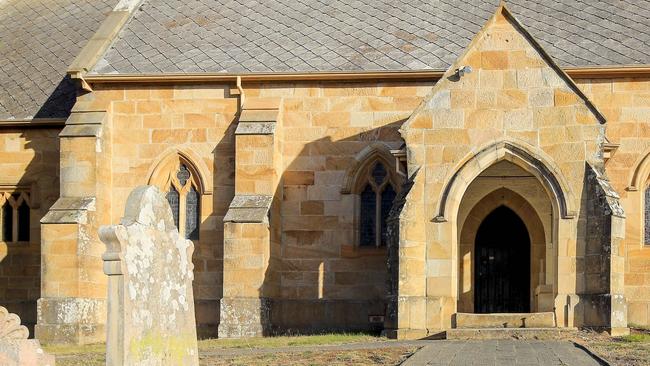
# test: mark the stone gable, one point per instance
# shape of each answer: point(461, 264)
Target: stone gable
point(514, 92)
point(517, 105)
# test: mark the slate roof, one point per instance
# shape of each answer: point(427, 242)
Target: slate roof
point(38, 41)
point(243, 36)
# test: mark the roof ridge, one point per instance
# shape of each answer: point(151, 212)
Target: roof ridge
point(127, 5)
point(102, 40)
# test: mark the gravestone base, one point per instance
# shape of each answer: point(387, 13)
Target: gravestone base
point(243, 317)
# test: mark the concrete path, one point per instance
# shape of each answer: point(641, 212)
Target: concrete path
point(502, 353)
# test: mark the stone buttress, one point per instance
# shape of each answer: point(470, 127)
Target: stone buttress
point(251, 230)
point(72, 308)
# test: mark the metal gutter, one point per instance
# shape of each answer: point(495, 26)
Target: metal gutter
point(607, 72)
point(249, 77)
point(36, 122)
point(420, 75)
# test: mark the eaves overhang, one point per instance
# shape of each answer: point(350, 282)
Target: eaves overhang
point(601, 72)
point(32, 122)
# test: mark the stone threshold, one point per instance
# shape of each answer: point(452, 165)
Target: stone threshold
point(508, 333)
point(504, 320)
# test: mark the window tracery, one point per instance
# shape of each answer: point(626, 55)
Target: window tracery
point(376, 199)
point(15, 216)
point(180, 183)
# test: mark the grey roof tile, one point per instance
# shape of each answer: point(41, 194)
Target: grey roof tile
point(373, 34)
point(38, 40)
point(44, 36)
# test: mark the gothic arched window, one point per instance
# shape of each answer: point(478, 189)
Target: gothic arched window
point(183, 198)
point(376, 199)
point(646, 216)
point(14, 217)
point(179, 181)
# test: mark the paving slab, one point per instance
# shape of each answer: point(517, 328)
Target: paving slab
point(502, 353)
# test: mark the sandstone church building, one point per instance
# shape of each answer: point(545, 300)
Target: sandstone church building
point(339, 165)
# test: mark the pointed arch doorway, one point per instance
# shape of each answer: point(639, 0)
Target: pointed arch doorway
point(502, 265)
point(514, 215)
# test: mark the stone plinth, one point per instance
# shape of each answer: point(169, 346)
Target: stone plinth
point(150, 300)
point(244, 317)
point(72, 308)
point(244, 308)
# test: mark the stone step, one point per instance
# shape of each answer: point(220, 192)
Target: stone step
point(508, 333)
point(505, 320)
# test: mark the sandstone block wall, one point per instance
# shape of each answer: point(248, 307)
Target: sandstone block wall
point(626, 104)
point(29, 161)
point(149, 123)
point(514, 105)
point(72, 308)
point(323, 127)
point(245, 306)
point(323, 273)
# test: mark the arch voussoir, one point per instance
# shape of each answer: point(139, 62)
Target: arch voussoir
point(535, 163)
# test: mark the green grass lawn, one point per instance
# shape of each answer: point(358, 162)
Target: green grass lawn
point(94, 354)
point(288, 341)
point(630, 350)
point(379, 357)
point(640, 338)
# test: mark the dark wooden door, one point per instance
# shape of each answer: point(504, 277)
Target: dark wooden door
point(502, 265)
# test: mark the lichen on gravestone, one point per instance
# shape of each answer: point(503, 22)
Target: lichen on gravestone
point(150, 300)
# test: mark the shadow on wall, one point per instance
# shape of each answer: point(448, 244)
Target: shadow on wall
point(595, 282)
point(318, 279)
point(208, 253)
point(30, 161)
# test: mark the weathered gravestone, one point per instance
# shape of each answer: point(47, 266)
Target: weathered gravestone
point(150, 300)
point(15, 348)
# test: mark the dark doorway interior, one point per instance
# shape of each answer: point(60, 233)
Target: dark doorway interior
point(502, 265)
